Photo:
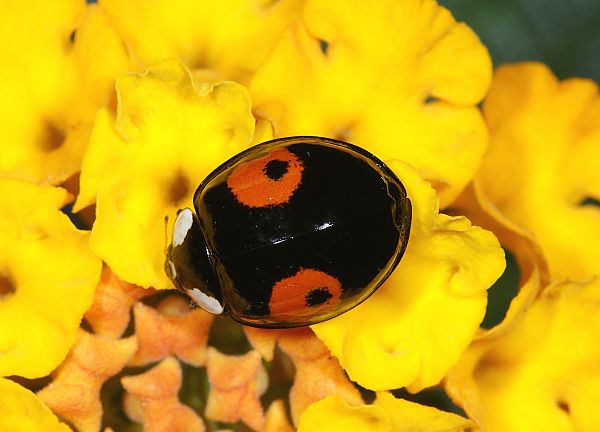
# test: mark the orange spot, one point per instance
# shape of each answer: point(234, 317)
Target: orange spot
point(289, 295)
point(252, 186)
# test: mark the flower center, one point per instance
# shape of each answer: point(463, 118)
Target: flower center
point(178, 189)
point(50, 137)
point(564, 406)
point(7, 285)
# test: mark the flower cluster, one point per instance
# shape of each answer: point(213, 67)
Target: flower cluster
point(113, 113)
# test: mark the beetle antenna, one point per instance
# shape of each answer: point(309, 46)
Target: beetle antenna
point(166, 248)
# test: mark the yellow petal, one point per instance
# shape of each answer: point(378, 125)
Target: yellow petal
point(543, 162)
point(414, 328)
point(56, 79)
point(99, 57)
point(543, 374)
point(401, 79)
point(35, 56)
point(333, 414)
point(22, 411)
point(408, 416)
point(230, 36)
point(533, 268)
point(50, 273)
point(385, 414)
point(146, 162)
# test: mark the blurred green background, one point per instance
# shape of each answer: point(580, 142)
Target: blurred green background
point(564, 34)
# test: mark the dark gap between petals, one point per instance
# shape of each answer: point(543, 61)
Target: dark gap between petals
point(430, 100)
point(111, 395)
point(367, 395)
point(281, 371)
point(212, 425)
point(154, 299)
point(589, 202)
point(502, 292)
point(33, 384)
point(434, 397)
point(85, 325)
point(84, 218)
point(324, 46)
point(227, 337)
point(194, 387)
point(75, 218)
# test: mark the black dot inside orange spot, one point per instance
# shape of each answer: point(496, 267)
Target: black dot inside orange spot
point(317, 297)
point(276, 169)
point(267, 181)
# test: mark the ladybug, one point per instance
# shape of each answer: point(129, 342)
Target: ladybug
point(289, 233)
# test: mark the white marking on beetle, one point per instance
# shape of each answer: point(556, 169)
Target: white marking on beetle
point(323, 226)
point(182, 226)
point(173, 271)
point(206, 302)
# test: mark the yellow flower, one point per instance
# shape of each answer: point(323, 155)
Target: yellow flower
point(47, 278)
point(415, 327)
point(543, 162)
point(54, 80)
point(399, 78)
point(533, 268)
point(542, 374)
point(232, 37)
point(386, 414)
point(145, 162)
point(22, 411)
